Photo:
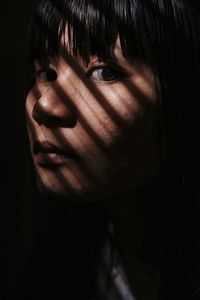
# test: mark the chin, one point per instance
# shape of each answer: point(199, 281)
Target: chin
point(70, 194)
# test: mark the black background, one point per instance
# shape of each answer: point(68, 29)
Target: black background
point(16, 195)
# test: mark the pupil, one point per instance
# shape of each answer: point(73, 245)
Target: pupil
point(51, 75)
point(108, 74)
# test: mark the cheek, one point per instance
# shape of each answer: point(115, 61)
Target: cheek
point(125, 108)
point(137, 148)
point(128, 102)
point(29, 104)
point(32, 127)
point(106, 116)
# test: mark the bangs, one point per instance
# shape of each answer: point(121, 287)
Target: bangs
point(90, 28)
point(164, 34)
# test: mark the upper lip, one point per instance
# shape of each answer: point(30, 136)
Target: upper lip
point(48, 147)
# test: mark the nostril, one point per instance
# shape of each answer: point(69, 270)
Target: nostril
point(54, 118)
point(55, 122)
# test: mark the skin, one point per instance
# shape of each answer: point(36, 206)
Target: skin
point(108, 120)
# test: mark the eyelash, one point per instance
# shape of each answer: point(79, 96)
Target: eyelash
point(49, 75)
point(115, 73)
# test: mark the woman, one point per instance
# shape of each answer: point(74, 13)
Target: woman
point(111, 119)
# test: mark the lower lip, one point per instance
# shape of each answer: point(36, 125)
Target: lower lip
point(51, 159)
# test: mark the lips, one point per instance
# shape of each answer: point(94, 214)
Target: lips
point(48, 154)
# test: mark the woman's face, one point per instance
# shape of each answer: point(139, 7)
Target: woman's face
point(93, 128)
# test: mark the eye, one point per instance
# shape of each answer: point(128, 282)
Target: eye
point(105, 74)
point(46, 75)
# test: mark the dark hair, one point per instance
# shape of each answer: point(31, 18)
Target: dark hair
point(165, 34)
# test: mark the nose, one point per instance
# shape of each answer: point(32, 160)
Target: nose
point(54, 109)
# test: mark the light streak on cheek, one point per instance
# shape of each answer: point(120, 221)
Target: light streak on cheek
point(30, 123)
point(103, 126)
point(96, 159)
point(92, 111)
point(126, 106)
point(30, 101)
point(31, 131)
